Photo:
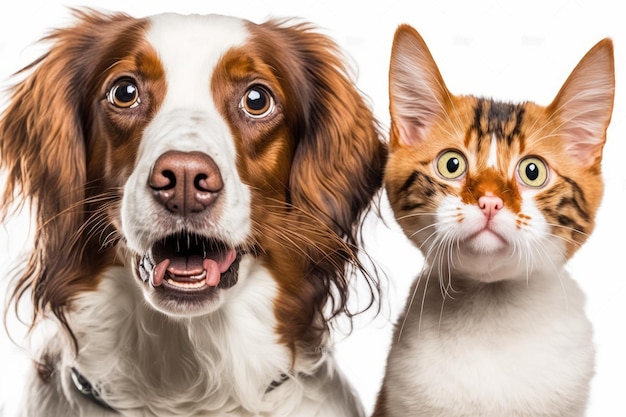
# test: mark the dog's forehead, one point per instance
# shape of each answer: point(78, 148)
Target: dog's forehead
point(189, 47)
point(210, 33)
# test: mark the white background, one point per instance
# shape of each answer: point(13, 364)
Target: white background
point(522, 50)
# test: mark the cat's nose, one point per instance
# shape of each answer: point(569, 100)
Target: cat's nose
point(490, 205)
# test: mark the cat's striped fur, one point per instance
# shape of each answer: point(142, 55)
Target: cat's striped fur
point(498, 196)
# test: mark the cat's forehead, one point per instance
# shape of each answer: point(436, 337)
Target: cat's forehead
point(498, 132)
point(496, 119)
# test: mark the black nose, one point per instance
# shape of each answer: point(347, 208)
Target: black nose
point(185, 182)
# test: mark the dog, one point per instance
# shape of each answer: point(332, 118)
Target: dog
point(197, 183)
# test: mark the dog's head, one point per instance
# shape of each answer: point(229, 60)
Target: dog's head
point(183, 145)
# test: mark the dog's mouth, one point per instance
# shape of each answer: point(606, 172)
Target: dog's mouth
point(190, 263)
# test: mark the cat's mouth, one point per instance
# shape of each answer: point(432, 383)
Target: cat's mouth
point(487, 240)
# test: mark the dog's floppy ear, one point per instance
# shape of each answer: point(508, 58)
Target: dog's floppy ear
point(336, 170)
point(339, 157)
point(42, 151)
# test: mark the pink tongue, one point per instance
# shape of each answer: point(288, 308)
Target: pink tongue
point(212, 272)
point(186, 266)
point(159, 272)
point(194, 266)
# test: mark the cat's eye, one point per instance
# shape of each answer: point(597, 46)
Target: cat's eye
point(257, 102)
point(451, 164)
point(533, 172)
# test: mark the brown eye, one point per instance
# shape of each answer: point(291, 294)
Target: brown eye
point(257, 102)
point(533, 172)
point(124, 94)
point(451, 165)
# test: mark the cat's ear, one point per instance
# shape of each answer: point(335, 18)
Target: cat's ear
point(417, 93)
point(584, 104)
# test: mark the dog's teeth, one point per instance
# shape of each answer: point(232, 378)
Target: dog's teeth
point(191, 285)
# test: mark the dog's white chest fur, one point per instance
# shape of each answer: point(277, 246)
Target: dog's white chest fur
point(144, 363)
point(524, 349)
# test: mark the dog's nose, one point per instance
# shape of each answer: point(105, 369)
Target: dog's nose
point(185, 182)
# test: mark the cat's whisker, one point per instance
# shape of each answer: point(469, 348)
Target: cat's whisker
point(565, 239)
point(416, 288)
point(569, 229)
point(436, 260)
point(458, 253)
point(427, 239)
point(410, 305)
point(515, 249)
point(412, 235)
point(440, 257)
point(441, 254)
point(447, 287)
point(449, 242)
point(412, 215)
point(558, 250)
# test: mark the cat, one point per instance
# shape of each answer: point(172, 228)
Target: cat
point(497, 196)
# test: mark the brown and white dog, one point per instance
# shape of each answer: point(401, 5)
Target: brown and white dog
point(197, 183)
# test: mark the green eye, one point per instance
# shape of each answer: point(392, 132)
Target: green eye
point(533, 172)
point(451, 165)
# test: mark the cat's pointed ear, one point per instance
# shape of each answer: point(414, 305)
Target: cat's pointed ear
point(585, 103)
point(417, 93)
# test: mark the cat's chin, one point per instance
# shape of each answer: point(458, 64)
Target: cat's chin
point(486, 242)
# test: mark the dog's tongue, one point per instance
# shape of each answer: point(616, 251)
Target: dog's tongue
point(159, 272)
point(192, 267)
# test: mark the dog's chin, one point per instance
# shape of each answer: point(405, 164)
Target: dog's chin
point(186, 275)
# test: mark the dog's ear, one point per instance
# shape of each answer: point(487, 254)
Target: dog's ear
point(42, 151)
point(337, 168)
point(43, 154)
point(339, 157)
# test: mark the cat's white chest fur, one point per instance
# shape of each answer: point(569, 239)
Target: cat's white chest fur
point(508, 349)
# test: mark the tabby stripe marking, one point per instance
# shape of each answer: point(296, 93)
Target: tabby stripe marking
point(495, 118)
point(576, 202)
point(426, 186)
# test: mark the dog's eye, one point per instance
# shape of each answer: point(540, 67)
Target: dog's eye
point(124, 94)
point(257, 102)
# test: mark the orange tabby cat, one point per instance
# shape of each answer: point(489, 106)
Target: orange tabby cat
point(498, 197)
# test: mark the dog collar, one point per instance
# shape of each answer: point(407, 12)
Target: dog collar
point(276, 383)
point(86, 388)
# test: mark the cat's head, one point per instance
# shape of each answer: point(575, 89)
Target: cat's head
point(495, 189)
